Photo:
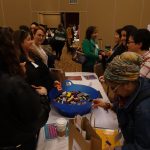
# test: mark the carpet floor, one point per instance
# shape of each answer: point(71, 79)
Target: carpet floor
point(66, 63)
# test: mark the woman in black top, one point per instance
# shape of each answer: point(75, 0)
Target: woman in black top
point(22, 111)
point(37, 73)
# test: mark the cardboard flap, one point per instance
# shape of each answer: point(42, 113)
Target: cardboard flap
point(90, 132)
point(75, 135)
point(92, 141)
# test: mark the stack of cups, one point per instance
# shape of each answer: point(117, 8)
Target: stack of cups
point(61, 126)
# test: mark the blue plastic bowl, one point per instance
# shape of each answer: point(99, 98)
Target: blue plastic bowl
point(71, 110)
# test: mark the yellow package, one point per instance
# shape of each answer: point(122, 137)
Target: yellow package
point(68, 94)
point(109, 137)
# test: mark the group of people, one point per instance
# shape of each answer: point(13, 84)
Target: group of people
point(61, 37)
point(124, 41)
point(126, 74)
point(25, 82)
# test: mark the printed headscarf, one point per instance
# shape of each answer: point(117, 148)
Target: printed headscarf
point(123, 68)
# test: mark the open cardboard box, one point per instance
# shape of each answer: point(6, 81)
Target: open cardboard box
point(78, 142)
point(109, 137)
point(96, 138)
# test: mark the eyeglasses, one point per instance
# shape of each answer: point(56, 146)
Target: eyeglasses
point(130, 42)
point(115, 88)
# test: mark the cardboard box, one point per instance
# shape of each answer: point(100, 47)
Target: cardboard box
point(109, 137)
point(78, 142)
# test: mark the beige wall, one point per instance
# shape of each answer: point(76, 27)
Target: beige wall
point(1, 14)
point(45, 5)
point(128, 12)
point(51, 20)
point(16, 12)
point(101, 14)
point(107, 15)
point(145, 17)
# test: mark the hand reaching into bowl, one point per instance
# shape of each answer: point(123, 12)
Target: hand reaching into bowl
point(100, 103)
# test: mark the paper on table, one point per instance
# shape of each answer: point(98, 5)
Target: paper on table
point(73, 77)
point(89, 77)
point(106, 120)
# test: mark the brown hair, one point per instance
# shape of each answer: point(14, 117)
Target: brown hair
point(9, 60)
point(39, 28)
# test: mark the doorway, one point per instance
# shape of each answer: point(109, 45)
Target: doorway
point(71, 19)
point(68, 18)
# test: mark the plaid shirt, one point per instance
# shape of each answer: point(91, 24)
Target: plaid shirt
point(145, 67)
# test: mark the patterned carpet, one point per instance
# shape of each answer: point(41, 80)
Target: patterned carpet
point(66, 63)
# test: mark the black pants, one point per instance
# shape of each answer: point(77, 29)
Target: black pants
point(87, 68)
point(58, 48)
point(69, 43)
point(51, 61)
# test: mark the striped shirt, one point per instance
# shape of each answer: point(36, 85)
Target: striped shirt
point(145, 67)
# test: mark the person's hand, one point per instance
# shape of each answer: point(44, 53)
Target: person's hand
point(100, 103)
point(23, 66)
point(40, 90)
point(108, 53)
point(103, 53)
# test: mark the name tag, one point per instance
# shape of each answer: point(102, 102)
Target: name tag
point(35, 65)
point(96, 45)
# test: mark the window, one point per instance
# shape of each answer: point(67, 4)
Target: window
point(73, 1)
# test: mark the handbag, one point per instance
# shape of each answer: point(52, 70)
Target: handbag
point(79, 57)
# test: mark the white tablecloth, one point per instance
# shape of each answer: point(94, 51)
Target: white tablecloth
point(102, 119)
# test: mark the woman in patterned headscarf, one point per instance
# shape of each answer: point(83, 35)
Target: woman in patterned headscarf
point(132, 103)
point(124, 68)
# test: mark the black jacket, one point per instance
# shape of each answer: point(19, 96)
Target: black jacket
point(22, 111)
point(37, 74)
point(134, 120)
point(118, 51)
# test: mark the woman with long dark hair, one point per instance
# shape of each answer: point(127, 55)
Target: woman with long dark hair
point(126, 31)
point(37, 73)
point(7, 54)
point(22, 111)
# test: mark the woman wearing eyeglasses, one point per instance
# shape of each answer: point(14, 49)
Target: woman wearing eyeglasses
point(139, 43)
point(132, 100)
